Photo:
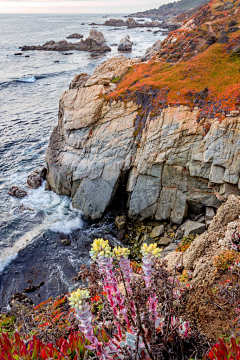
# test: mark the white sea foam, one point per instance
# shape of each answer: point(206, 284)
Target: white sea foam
point(59, 215)
point(28, 80)
point(10, 253)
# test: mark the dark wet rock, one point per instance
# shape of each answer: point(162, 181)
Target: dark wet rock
point(164, 241)
point(114, 45)
point(33, 288)
point(36, 178)
point(16, 192)
point(96, 54)
point(149, 30)
point(194, 227)
point(94, 43)
point(82, 23)
point(147, 239)
point(121, 234)
point(75, 36)
point(79, 81)
point(18, 54)
point(211, 40)
point(232, 23)
point(19, 298)
point(67, 53)
point(62, 45)
point(47, 186)
point(92, 24)
point(125, 44)
point(115, 22)
point(233, 29)
point(56, 61)
point(66, 242)
point(223, 38)
point(27, 56)
point(157, 231)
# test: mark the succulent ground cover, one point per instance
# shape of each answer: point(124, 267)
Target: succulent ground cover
point(130, 310)
point(197, 66)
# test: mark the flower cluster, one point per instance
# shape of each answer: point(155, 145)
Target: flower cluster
point(151, 250)
point(121, 252)
point(100, 247)
point(78, 298)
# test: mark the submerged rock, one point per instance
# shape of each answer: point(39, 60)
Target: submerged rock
point(16, 192)
point(75, 36)
point(157, 231)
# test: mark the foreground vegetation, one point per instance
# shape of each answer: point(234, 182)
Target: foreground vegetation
point(126, 312)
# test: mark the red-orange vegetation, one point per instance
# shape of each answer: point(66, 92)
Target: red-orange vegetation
point(199, 75)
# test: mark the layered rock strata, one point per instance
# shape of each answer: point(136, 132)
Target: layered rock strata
point(171, 169)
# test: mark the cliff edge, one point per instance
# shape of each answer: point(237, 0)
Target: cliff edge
point(170, 126)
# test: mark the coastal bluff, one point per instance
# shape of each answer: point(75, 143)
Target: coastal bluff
point(170, 168)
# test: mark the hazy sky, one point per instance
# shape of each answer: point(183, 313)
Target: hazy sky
point(78, 6)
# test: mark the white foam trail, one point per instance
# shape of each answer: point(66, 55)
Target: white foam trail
point(10, 253)
point(28, 80)
point(59, 215)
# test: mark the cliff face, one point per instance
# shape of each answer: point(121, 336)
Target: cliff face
point(171, 168)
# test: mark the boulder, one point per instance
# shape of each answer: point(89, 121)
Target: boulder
point(223, 38)
point(210, 213)
point(164, 241)
point(179, 234)
point(194, 227)
point(131, 23)
point(96, 36)
point(125, 44)
point(16, 192)
point(120, 222)
point(157, 231)
point(147, 239)
point(36, 178)
point(75, 36)
point(94, 43)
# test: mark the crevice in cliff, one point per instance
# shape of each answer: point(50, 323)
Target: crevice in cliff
point(119, 201)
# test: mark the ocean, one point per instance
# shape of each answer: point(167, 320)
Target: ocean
point(32, 228)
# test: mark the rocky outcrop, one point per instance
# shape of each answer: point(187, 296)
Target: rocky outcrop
point(125, 44)
point(95, 42)
point(171, 169)
point(131, 23)
point(115, 22)
point(150, 52)
point(75, 36)
point(200, 255)
point(16, 192)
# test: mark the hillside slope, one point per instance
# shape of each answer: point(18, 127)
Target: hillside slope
point(171, 9)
